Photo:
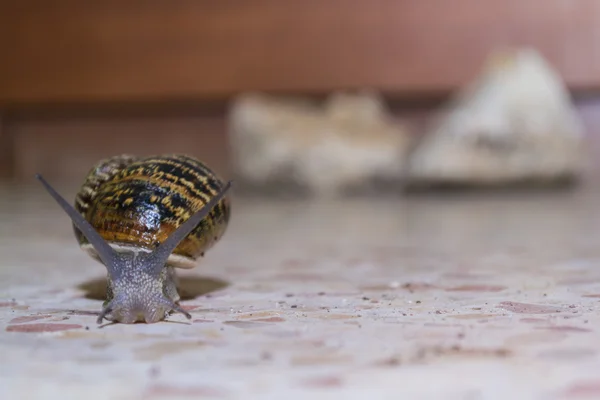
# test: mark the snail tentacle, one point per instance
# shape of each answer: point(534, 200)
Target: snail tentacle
point(108, 256)
point(174, 307)
point(163, 251)
point(105, 311)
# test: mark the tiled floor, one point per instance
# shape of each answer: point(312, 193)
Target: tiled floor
point(491, 296)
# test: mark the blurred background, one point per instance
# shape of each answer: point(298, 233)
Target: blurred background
point(321, 98)
point(329, 96)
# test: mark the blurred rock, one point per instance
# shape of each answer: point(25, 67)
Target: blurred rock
point(346, 144)
point(514, 124)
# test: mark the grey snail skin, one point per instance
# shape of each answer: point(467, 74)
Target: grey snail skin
point(142, 218)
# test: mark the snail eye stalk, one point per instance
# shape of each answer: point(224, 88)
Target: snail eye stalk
point(160, 255)
point(108, 256)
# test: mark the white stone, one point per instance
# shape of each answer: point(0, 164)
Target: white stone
point(516, 122)
point(345, 143)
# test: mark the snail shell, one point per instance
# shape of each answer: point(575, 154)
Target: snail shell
point(135, 203)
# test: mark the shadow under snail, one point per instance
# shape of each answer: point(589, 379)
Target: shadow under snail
point(142, 217)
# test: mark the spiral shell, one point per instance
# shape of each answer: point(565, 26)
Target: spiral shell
point(135, 203)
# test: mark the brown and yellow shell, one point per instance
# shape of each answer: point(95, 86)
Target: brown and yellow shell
point(135, 203)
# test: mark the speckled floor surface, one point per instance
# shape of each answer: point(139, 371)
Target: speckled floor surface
point(458, 297)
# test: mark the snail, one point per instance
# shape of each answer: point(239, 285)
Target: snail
point(143, 217)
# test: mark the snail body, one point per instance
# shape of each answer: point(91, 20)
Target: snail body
point(144, 217)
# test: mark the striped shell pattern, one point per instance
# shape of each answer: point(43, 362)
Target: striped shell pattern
point(135, 203)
